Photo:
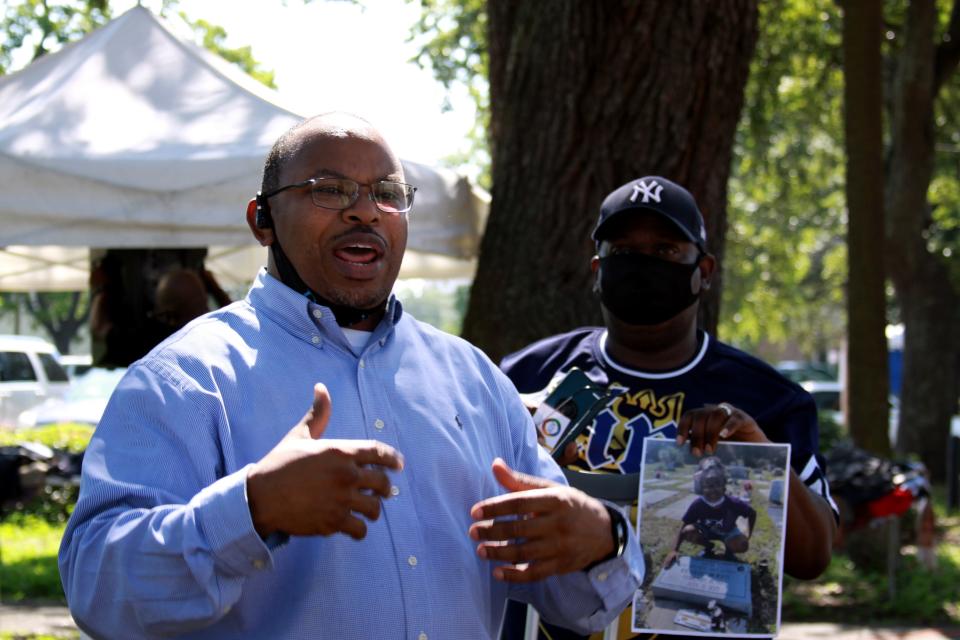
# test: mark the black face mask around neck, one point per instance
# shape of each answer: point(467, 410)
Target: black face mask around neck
point(643, 290)
point(346, 316)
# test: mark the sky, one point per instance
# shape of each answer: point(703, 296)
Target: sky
point(336, 55)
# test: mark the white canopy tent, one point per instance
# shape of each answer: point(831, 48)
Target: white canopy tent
point(134, 137)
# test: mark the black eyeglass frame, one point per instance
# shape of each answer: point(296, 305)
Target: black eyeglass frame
point(310, 182)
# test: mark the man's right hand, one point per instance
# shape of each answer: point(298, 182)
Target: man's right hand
point(308, 485)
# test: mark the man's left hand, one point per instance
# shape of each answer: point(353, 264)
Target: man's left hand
point(703, 428)
point(539, 529)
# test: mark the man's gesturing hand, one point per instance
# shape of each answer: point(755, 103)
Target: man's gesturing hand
point(540, 528)
point(310, 486)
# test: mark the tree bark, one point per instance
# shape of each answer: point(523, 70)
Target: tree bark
point(585, 96)
point(928, 300)
point(867, 385)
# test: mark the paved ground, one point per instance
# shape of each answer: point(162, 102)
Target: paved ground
point(56, 621)
point(48, 619)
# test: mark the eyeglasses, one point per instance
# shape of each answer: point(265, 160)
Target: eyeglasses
point(342, 193)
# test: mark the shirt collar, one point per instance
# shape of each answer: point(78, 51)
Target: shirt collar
point(296, 314)
point(653, 375)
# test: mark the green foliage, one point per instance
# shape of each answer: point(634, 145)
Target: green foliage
point(853, 595)
point(848, 593)
point(454, 36)
point(66, 437)
point(53, 504)
point(785, 262)
point(44, 26)
point(29, 569)
point(785, 266)
point(832, 433)
point(60, 313)
point(214, 38)
point(30, 534)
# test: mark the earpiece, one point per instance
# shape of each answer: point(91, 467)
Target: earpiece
point(263, 220)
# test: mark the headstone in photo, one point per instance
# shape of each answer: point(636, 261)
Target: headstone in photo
point(700, 580)
point(653, 496)
point(776, 492)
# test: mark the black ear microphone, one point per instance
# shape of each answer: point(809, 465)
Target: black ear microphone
point(263, 220)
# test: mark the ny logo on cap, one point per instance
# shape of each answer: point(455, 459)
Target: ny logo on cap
point(650, 191)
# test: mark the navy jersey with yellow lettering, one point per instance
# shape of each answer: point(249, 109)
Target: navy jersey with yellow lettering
point(650, 403)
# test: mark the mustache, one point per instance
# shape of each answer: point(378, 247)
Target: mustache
point(365, 232)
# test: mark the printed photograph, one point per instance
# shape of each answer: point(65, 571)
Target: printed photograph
point(712, 529)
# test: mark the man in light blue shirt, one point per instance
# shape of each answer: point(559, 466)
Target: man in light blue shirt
point(409, 502)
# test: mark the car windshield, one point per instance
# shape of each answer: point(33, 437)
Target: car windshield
point(95, 383)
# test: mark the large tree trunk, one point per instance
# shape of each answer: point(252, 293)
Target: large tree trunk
point(867, 369)
point(928, 301)
point(584, 97)
point(929, 396)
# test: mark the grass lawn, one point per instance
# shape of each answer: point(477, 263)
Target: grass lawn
point(28, 544)
point(847, 594)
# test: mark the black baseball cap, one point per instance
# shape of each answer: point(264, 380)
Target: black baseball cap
point(655, 193)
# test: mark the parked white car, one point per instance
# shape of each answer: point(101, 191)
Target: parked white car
point(84, 402)
point(30, 372)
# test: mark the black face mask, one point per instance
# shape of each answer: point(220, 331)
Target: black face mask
point(640, 289)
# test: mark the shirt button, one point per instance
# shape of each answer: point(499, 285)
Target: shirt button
point(317, 313)
point(394, 490)
point(602, 577)
point(315, 339)
point(412, 561)
point(383, 341)
point(378, 423)
point(258, 564)
point(422, 636)
point(362, 364)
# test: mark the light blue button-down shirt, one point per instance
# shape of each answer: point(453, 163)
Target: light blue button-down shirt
point(162, 542)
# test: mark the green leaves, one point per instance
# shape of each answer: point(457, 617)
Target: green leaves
point(785, 262)
point(45, 26)
point(214, 38)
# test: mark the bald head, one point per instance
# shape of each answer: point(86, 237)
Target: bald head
point(332, 125)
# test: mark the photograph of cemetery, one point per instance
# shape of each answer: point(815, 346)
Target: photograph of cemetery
point(712, 530)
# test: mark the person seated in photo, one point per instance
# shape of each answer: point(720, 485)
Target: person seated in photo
point(713, 517)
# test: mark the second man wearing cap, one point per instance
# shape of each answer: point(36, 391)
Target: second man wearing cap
point(673, 379)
